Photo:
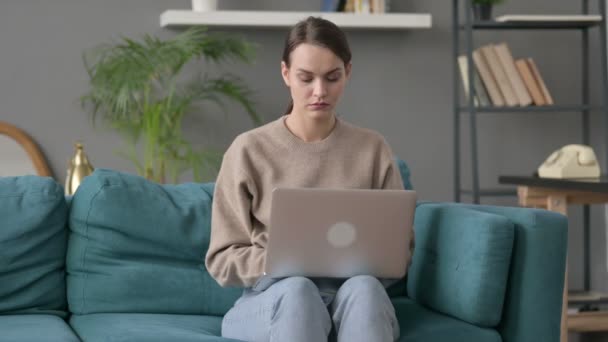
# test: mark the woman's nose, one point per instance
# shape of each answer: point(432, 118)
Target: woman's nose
point(320, 88)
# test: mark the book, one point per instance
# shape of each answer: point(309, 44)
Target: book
point(349, 6)
point(549, 18)
point(480, 90)
point(540, 81)
point(530, 82)
point(481, 97)
point(377, 6)
point(488, 79)
point(508, 63)
point(464, 76)
point(362, 6)
point(365, 6)
point(499, 75)
point(329, 5)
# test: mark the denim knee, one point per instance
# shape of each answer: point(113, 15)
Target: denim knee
point(301, 310)
point(298, 284)
point(363, 285)
point(299, 290)
point(362, 311)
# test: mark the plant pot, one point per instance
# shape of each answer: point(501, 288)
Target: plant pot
point(482, 11)
point(204, 5)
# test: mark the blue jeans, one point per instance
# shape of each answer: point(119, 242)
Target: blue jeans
point(293, 309)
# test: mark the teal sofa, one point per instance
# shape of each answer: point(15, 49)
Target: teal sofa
point(123, 260)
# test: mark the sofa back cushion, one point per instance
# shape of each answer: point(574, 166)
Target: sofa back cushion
point(461, 262)
point(404, 170)
point(138, 246)
point(33, 239)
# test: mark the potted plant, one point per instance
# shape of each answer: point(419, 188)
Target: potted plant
point(138, 88)
point(482, 9)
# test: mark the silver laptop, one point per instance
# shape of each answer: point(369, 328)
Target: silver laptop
point(339, 232)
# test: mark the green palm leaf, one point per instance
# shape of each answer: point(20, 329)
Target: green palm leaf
point(136, 88)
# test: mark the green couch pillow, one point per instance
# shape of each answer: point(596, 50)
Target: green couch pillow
point(33, 239)
point(461, 262)
point(137, 246)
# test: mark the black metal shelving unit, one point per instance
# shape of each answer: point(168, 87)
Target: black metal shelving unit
point(467, 27)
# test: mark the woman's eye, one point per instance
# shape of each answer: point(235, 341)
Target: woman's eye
point(333, 78)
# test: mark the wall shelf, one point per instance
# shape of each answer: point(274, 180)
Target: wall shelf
point(278, 19)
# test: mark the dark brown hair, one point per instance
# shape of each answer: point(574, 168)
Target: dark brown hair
point(320, 32)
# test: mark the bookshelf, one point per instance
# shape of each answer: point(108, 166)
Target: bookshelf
point(283, 19)
point(466, 27)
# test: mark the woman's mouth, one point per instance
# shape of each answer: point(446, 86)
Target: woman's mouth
point(318, 105)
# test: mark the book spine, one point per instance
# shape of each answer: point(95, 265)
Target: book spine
point(480, 90)
point(506, 59)
point(464, 75)
point(488, 79)
point(329, 5)
point(499, 75)
point(530, 82)
point(365, 6)
point(349, 6)
point(540, 81)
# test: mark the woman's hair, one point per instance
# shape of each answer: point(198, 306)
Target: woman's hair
point(320, 32)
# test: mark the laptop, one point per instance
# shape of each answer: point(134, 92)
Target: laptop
point(339, 233)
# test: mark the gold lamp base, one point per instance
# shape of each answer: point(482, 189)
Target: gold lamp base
point(78, 168)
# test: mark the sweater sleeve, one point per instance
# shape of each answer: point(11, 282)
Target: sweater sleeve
point(392, 180)
point(391, 177)
point(232, 258)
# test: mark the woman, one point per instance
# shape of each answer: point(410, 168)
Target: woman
point(307, 147)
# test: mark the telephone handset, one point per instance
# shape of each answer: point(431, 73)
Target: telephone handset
point(571, 161)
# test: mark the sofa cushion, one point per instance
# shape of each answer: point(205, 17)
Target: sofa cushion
point(35, 328)
point(33, 239)
point(139, 247)
point(404, 170)
point(418, 324)
point(461, 262)
point(147, 327)
point(533, 302)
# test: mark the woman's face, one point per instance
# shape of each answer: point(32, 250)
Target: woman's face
point(316, 80)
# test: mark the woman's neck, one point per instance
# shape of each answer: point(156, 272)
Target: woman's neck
point(310, 130)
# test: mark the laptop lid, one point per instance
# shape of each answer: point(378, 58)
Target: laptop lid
point(321, 232)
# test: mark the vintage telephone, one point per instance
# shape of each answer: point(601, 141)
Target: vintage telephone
point(571, 161)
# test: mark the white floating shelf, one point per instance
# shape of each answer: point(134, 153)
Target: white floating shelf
point(269, 19)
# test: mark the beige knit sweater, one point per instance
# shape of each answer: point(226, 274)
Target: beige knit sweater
point(271, 156)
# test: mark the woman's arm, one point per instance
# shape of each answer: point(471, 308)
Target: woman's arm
point(389, 171)
point(232, 258)
point(392, 180)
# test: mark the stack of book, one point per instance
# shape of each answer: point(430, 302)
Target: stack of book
point(500, 80)
point(356, 6)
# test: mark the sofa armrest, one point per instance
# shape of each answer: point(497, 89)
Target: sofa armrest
point(533, 300)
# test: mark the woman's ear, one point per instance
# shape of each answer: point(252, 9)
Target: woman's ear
point(347, 69)
point(285, 73)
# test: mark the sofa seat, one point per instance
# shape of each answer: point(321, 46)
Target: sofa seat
point(35, 328)
point(129, 327)
point(419, 324)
